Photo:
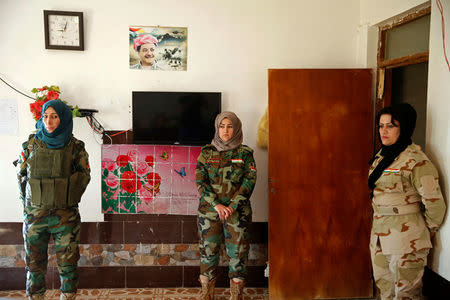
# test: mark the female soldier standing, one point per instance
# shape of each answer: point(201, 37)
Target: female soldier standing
point(53, 173)
point(407, 203)
point(225, 177)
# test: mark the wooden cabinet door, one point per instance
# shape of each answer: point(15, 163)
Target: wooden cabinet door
point(320, 141)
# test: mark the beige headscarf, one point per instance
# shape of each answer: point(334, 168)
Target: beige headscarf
point(236, 139)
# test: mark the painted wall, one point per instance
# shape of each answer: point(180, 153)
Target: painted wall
point(438, 125)
point(373, 12)
point(438, 110)
point(231, 44)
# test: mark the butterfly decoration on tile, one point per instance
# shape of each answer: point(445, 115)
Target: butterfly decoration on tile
point(182, 172)
point(164, 155)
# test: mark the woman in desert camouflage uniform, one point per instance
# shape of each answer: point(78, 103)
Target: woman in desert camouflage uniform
point(408, 206)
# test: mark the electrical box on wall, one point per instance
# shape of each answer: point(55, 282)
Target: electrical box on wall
point(86, 112)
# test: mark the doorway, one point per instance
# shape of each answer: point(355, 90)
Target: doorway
point(403, 67)
point(409, 84)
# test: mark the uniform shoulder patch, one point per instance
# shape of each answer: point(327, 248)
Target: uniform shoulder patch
point(29, 140)
point(29, 144)
point(78, 142)
point(208, 146)
point(246, 148)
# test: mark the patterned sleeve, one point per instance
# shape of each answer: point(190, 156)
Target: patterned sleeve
point(81, 164)
point(425, 180)
point(202, 180)
point(21, 169)
point(248, 184)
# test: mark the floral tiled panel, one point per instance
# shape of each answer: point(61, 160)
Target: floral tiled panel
point(149, 179)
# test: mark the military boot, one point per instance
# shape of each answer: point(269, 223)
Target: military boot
point(236, 289)
point(207, 292)
point(36, 297)
point(68, 296)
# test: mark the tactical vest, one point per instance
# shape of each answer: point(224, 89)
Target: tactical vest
point(51, 184)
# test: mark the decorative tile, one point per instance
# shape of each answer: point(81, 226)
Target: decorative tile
point(144, 205)
point(180, 154)
point(178, 206)
point(163, 154)
point(138, 178)
point(132, 254)
point(146, 153)
point(110, 152)
point(127, 202)
point(192, 206)
point(11, 233)
point(162, 176)
point(194, 152)
point(161, 205)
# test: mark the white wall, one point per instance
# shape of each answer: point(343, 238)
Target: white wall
point(376, 11)
point(438, 125)
point(231, 44)
point(438, 110)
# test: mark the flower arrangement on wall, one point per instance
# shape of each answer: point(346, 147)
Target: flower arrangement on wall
point(134, 179)
point(44, 94)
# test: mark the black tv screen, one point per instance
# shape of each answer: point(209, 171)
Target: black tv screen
point(185, 118)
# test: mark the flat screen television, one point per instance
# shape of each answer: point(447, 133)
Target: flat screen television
point(184, 118)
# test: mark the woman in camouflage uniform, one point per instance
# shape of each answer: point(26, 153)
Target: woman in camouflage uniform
point(225, 177)
point(407, 203)
point(53, 172)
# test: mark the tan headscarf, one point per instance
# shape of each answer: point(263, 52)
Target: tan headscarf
point(236, 139)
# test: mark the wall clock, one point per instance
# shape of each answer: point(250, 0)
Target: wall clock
point(63, 30)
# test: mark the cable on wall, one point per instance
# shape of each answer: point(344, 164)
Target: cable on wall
point(441, 10)
point(16, 89)
point(88, 113)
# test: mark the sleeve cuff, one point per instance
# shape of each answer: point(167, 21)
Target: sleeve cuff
point(234, 205)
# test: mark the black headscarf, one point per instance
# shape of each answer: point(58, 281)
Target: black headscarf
point(406, 115)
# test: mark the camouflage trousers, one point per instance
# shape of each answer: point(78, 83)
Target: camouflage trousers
point(399, 276)
point(233, 232)
point(38, 226)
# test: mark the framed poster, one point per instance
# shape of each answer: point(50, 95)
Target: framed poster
point(158, 48)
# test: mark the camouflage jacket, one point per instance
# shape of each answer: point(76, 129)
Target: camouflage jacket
point(407, 203)
point(79, 164)
point(226, 177)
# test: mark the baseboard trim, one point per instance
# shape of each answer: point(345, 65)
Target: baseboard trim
point(131, 277)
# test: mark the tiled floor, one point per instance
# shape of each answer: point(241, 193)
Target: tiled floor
point(135, 294)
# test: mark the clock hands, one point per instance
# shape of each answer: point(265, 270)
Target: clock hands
point(64, 29)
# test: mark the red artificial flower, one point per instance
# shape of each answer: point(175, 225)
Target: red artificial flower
point(36, 109)
point(154, 179)
point(44, 94)
point(150, 160)
point(129, 182)
point(134, 29)
point(52, 95)
point(122, 160)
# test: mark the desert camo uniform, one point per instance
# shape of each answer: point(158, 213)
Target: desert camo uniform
point(51, 182)
point(408, 205)
point(227, 178)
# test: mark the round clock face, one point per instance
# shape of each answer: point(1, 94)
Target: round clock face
point(63, 30)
